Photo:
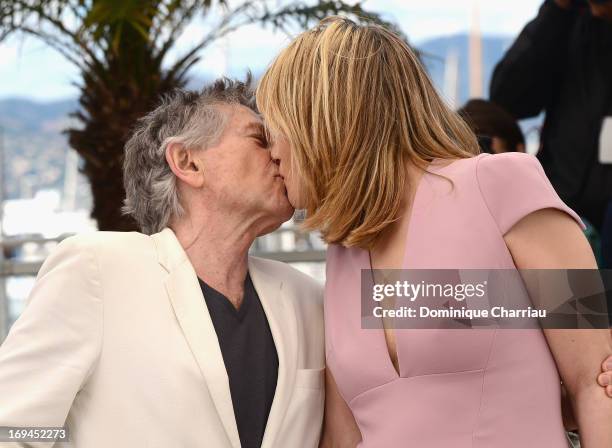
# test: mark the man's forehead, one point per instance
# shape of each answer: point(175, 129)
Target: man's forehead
point(249, 122)
point(245, 121)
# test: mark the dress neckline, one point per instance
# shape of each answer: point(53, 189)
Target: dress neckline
point(433, 165)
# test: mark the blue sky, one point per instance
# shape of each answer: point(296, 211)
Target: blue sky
point(28, 68)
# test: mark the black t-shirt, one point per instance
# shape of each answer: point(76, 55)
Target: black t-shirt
point(250, 358)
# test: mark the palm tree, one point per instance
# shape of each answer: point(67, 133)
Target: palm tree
point(120, 48)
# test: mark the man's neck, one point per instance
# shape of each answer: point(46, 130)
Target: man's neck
point(217, 247)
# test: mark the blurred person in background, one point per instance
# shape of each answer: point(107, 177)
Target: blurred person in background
point(561, 64)
point(175, 337)
point(497, 131)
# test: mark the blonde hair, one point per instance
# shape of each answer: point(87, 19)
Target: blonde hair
point(356, 105)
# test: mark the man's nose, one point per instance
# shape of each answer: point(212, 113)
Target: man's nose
point(274, 155)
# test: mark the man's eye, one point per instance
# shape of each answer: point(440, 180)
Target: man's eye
point(263, 141)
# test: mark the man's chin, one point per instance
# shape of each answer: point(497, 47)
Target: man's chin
point(286, 214)
point(285, 209)
point(280, 217)
point(294, 202)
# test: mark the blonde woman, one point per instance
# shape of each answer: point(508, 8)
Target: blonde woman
point(367, 147)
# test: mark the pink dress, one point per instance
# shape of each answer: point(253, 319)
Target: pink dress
point(482, 388)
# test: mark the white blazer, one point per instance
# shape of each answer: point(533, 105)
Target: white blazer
point(116, 343)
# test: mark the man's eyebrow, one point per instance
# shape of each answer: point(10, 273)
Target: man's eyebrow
point(254, 126)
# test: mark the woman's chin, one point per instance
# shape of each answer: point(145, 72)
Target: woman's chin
point(296, 203)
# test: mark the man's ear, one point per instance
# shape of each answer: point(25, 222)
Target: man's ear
point(184, 164)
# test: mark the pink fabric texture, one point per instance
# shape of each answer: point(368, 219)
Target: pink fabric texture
point(482, 388)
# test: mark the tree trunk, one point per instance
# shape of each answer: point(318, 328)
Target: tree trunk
point(112, 99)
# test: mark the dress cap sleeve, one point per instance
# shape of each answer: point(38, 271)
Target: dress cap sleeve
point(513, 185)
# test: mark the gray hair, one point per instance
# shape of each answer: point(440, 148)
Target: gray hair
point(187, 117)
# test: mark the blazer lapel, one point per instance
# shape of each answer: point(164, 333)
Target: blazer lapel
point(281, 318)
point(192, 314)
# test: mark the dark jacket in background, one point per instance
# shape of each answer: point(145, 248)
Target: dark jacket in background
point(561, 63)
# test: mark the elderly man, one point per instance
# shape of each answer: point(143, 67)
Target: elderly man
point(175, 337)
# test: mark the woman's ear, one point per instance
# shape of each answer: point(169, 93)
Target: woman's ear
point(184, 164)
